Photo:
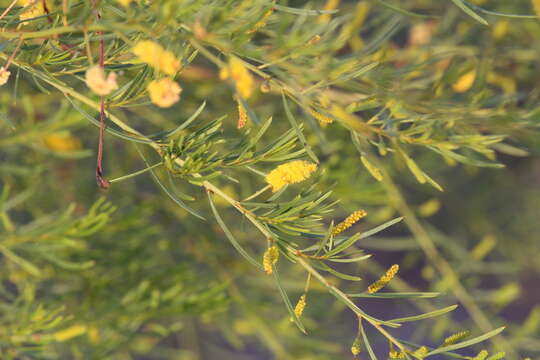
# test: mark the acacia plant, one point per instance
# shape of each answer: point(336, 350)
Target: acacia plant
point(260, 126)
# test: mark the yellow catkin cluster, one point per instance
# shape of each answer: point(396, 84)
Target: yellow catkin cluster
point(482, 355)
point(262, 23)
point(242, 116)
point(33, 8)
point(421, 352)
point(154, 55)
point(125, 3)
point(164, 93)
point(98, 82)
point(290, 173)
point(536, 6)
point(457, 337)
point(4, 75)
point(270, 258)
point(237, 71)
point(62, 142)
point(70, 333)
point(349, 221)
point(323, 119)
point(384, 280)
point(396, 354)
point(300, 306)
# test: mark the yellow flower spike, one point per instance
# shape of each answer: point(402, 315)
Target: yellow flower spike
point(396, 354)
point(164, 93)
point(349, 221)
point(323, 119)
point(384, 280)
point(242, 77)
point(125, 3)
point(270, 258)
point(300, 306)
point(457, 337)
point(330, 5)
point(290, 173)
point(482, 355)
point(4, 75)
point(465, 82)
point(242, 116)
point(99, 83)
point(154, 55)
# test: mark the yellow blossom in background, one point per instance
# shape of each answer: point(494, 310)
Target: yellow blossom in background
point(4, 75)
point(330, 5)
point(124, 3)
point(536, 7)
point(270, 258)
point(99, 83)
point(242, 77)
point(70, 332)
point(465, 82)
point(154, 55)
point(164, 93)
point(290, 173)
point(33, 8)
point(62, 142)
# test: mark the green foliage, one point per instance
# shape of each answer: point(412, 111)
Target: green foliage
point(389, 105)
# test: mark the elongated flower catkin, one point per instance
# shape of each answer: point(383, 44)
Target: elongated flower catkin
point(396, 354)
point(290, 173)
point(300, 306)
point(323, 119)
point(349, 221)
point(270, 258)
point(262, 22)
point(384, 280)
point(482, 355)
point(242, 116)
point(457, 337)
point(242, 77)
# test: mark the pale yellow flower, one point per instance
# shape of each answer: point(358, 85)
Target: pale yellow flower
point(290, 173)
point(164, 93)
point(124, 3)
point(243, 79)
point(465, 82)
point(99, 83)
point(4, 75)
point(62, 142)
point(154, 55)
point(34, 8)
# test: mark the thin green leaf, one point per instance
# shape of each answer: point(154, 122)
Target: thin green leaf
point(366, 341)
point(426, 315)
point(460, 4)
point(297, 129)
point(397, 295)
point(467, 343)
point(231, 238)
point(287, 302)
